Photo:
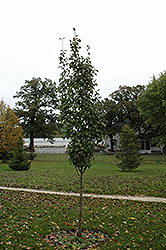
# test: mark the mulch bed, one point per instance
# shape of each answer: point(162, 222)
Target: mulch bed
point(68, 239)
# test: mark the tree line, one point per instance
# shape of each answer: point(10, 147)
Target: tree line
point(36, 114)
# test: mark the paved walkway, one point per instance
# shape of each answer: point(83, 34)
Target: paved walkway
point(121, 197)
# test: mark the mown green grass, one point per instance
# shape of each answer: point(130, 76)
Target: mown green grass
point(99, 157)
point(101, 178)
point(26, 218)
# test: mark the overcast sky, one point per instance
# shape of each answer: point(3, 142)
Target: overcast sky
point(127, 40)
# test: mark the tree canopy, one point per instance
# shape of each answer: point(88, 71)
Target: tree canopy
point(36, 109)
point(152, 105)
point(81, 112)
point(80, 108)
point(9, 129)
point(126, 103)
point(121, 108)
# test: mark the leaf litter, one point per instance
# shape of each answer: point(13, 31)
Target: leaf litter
point(68, 239)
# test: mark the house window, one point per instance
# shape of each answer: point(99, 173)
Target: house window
point(142, 145)
point(145, 144)
point(115, 143)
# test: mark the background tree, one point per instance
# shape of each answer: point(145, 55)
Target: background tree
point(126, 104)
point(128, 154)
point(9, 130)
point(152, 106)
point(80, 110)
point(111, 117)
point(19, 160)
point(36, 109)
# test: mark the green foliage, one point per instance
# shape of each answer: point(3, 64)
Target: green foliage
point(80, 108)
point(36, 109)
point(19, 160)
point(128, 155)
point(152, 105)
point(31, 156)
point(127, 112)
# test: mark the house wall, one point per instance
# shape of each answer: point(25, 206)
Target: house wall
point(108, 143)
point(146, 145)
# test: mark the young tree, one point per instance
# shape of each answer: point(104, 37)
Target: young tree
point(128, 155)
point(36, 109)
point(19, 161)
point(9, 130)
point(80, 109)
point(152, 106)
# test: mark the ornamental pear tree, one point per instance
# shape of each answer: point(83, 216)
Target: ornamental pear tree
point(128, 155)
point(36, 109)
point(10, 130)
point(81, 111)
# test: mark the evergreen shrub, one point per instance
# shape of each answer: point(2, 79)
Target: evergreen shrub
point(128, 155)
point(19, 160)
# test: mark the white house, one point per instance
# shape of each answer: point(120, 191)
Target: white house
point(146, 145)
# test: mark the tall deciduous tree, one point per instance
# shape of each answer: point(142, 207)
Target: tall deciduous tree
point(128, 154)
point(9, 129)
point(126, 103)
point(152, 105)
point(111, 117)
point(80, 109)
point(36, 109)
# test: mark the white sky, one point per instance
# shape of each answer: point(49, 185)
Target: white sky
point(127, 40)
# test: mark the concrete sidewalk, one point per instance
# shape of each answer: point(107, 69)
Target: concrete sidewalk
point(121, 197)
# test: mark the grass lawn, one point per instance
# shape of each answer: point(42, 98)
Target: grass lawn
point(101, 178)
point(26, 218)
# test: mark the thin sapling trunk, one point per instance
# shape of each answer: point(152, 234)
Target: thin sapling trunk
point(80, 209)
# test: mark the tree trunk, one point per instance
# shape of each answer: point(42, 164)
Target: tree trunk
point(79, 234)
point(111, 143)
point(4, 157)
point(31, 145)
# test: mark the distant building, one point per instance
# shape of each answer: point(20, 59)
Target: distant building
point(146, 145)
point(43, 146)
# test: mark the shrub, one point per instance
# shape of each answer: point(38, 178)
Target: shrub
point(19, 160)
point(30, 156)
point(129, 156)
